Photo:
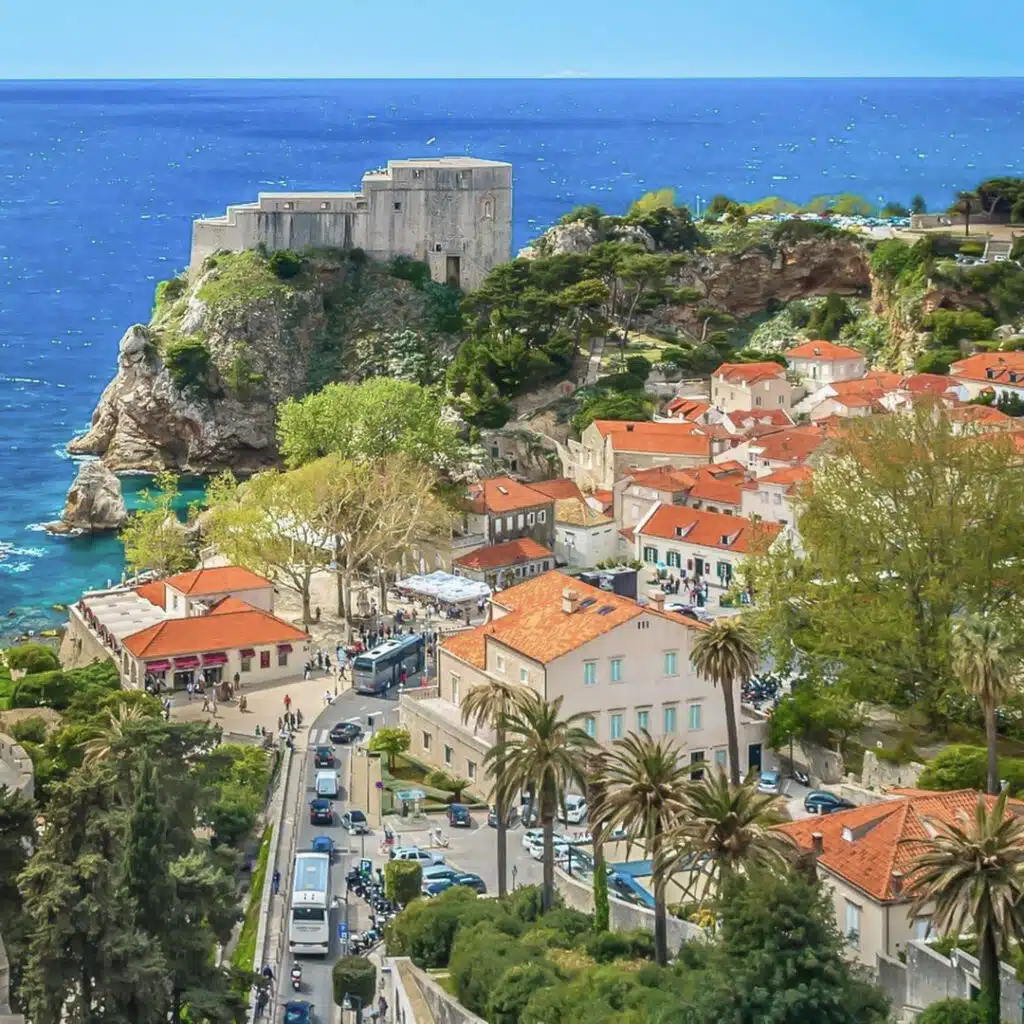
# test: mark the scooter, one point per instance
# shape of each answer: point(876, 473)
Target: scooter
point(297, 977)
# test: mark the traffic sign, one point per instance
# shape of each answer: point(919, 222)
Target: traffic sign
point(342, 931)
point(379, 784)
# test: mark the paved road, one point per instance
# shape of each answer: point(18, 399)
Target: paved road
point(316, 972)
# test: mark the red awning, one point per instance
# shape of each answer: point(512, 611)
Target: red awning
point(217, 658)
point(287, 648)
point(189, 661)
point(157, 666)
point(247, 652)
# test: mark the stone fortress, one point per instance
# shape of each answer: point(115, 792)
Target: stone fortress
point(453, 213)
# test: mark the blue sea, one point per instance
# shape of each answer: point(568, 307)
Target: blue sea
point(99, 183)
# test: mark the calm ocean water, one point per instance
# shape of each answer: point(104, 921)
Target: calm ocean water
point(99, 183)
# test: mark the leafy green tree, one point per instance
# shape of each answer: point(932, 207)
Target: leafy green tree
point(614, 405)
point(892, 209)
point(354, 975)
point(966, 203)
point(402, 881)
point(153, 537)
point(899, 535)
point(937, 361)
point(816, 713)
point(726, 653)
point(644, 786)
point(17, 832)
point(830, 318)
point(480, 957)
point(918, 205)
point(955, 767)
point(971, 878)
point(890, 259)
point(948, 326)
point(952, 1011)
point(32, 658)
point(370, 420)
point(510, 995)
point(589, 215)
point(390, 741)
point(781, 959)
point(285, 263)
point(545, 755)
point(989, 668)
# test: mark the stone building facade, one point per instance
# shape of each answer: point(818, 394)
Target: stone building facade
point(453, 212)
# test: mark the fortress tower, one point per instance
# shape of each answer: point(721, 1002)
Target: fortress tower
point(452, 212)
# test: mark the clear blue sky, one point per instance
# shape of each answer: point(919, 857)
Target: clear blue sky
point(508, 38)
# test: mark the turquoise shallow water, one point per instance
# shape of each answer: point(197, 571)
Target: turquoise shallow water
point(100, 182)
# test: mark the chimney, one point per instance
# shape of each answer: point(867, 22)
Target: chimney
point(570, 600)
point(897, 883)
point(658, 600)
point(817, 843)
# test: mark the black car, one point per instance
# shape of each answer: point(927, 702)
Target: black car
point(324, 757)
point(822, 802)
point(492, 817)
point(458, 816)
point(321, 812)
point(345, 732)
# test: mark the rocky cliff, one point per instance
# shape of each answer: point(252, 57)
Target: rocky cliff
point(197, 388)
point(94, 502)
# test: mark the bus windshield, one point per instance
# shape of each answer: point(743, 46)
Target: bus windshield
point(363, 663)
point(307, 913)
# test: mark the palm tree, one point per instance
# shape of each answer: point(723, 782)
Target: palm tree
point(726, 653)
point(965, 204)
point(972, 875)
point(728, 828)
point(488, 704)
point(644, 781)
point(102, 745)
point(989, 668)
point(542, 754)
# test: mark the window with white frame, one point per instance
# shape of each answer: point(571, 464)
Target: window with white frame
point(721, 758)
point(615, 670)
point(542, 516)
point(695, 714)
point(497, 526)
point(524, 675)
point(852, 929)
point(668, 719)
point(455, 680)
point(448, 755)
point(643, 720)
point(590, 726)
point(615, 726)
point(531, 518)
point(508, 523)
point(674, 560)
point(671, 663)
point(589, 673)
point(499, 663)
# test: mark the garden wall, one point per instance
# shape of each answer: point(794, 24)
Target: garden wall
point(415, 998)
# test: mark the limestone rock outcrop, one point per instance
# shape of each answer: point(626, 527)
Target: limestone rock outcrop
point(94, 502)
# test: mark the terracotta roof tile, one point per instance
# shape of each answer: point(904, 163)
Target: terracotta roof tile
point(864, 846)
point(789, 477)
point(998, 367)
point(557, 489)
point(675, 438)
point(218, 580)
point(201, 633)
point(825, 350)
point(663, 478)
point(749, 373)
point(743, 420)
point(153, 592)
point(687, 408)
point(503, 494)
point(576, 512)
point(468, 646)
point(707, 529)
point(793, 445)
point(230, 604)
point(497, 556)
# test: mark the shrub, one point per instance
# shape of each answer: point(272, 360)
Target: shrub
point(30, 730)
point(571, 923)
point(972, 249)
point(480, 957)
point(890, 258)
point(285, 264)
point(936, 361)
point(32, 658)
point(405, 268)
point(589, 215)
point(43, 690)
point(402, 880)
point(801, 230)
point(512, 992)
point(638, 367)
point(828, 319)
point(526, 903)
point(354, 975)
point(956, 767)
point(1017, 252)
point(168, 291)
point(949, 326)
point(952, 1011)
point(188, 362)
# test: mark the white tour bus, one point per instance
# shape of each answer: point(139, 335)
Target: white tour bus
point(309, 930)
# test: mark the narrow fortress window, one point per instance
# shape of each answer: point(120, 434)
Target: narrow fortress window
point(361, 204)
point(289, 206)
point(488, 208)
point(325, 206)
point(417, 173)
point(398, 206)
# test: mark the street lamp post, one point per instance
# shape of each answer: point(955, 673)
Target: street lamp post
point(515, 871)
point(350, 1002)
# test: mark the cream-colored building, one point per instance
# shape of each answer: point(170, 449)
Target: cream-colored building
point(745, 387)
point(864, 856)
point(769, 499)
point(608, 448)
point(825, 362)
point(620, 666)
point(453, 213)
point(584, 537)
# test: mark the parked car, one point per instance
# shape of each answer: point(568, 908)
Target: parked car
point(425, 857)
point(437, 886)
point(821, 802)
point(356, 823)
point(530, 835)
point(324, 757)
point(471, 881)
point(769, 783)
point(531, 815)
point(458, 816)
point(321, 812)
point(323, 844)
point(298, 1011)
point(575, 810)
point(492, 817)
point(437, 872)
point(346, 732)
point(560, 845)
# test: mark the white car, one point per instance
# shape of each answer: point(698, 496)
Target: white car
point(560, 845)
point(575, 810)
point(532, 835)
point(425, 857)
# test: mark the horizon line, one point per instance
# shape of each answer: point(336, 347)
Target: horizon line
point(565, 76)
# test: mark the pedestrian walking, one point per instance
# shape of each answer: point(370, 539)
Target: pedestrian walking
point(238, 681)
point(167, 709)
point(306, 674)
point(280, 723)
point(206, 702)
point(287, 702)
point(277, 882)
point(213, 706)
point(188, 692)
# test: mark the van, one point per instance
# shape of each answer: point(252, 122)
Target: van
point(326, 784)
point(575, 810)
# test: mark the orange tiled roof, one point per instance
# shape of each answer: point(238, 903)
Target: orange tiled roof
point(792, 445)
point(218, 580)
point(720, 481)
point(748, 420)
point(467, 646)
point(663, 478)
point(927, 383)
point(503, 494)
point(153, 592)
point(537, 627)
point(687, 408)
point(788, 478)
point(497, 556)
point(559, 489)
point(706, 529)
point(200, 633)
point(749, 373)
point(605, 497)
point(828, 350)
point(864, 846)
point(1005, 367)
point(984, 415)
point(230, 604)
point(676, 438)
